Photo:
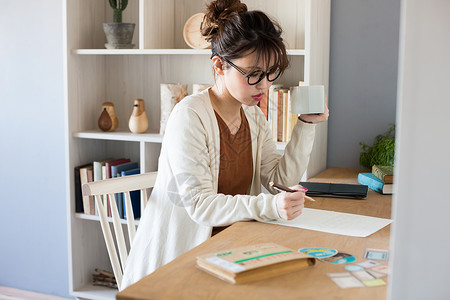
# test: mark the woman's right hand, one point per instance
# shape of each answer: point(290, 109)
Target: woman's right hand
point(290, 205)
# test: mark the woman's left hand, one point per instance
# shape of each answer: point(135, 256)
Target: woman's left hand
point(315, 118)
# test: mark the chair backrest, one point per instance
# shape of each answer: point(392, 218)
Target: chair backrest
point(105, 191)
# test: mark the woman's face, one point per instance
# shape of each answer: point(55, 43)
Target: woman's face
point(237, 85)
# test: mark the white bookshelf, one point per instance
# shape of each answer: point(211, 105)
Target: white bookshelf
point(94, 75)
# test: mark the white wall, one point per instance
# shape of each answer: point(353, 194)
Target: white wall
point(33, 231)
point(421, 232)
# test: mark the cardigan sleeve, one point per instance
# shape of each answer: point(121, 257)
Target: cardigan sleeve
point(286, 169)
point(190, 155)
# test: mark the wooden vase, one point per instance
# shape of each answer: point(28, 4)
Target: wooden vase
point(108, 120)
point(138, 122)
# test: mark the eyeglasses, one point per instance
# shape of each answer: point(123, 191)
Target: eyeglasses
point(255, 77)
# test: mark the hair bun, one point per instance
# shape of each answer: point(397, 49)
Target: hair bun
point(218, 13)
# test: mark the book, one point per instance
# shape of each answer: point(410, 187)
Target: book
point(134, 195)
point(253, 262)
point(285, 115)
point(280, 114)
point(272, 110)
point(90, 178)
point(78, 193)
point(108, 165)
point(384, 173)
point(99, 169)
point(98, 166)
point(374, 183)
point(83, 180)
point(116, 171)
point(291, 119)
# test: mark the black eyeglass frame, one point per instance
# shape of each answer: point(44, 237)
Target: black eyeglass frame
point(264, 74)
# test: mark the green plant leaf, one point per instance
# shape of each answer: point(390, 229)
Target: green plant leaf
point(381, 152)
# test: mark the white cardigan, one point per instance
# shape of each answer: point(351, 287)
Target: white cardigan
point(185, 205)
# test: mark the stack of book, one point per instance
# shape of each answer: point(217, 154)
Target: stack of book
point(100, 170)
point(380, 180)
point(276, 106)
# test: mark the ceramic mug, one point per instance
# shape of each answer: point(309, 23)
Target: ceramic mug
point(308, 99)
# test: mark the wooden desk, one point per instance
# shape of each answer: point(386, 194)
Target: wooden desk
point(180, 279)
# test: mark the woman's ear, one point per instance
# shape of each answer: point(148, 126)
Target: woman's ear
point(217, 65)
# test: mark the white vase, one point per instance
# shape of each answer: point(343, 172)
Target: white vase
point(171, 94)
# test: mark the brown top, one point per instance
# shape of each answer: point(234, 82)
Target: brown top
point(236, 163)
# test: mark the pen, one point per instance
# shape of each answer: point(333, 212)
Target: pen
point(283, 188)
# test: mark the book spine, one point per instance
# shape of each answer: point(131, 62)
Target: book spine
point(83, 180)
point(78, 193)
point(388, 189)
point(269, 106)
point(285, 115)
point(135, 197)
point(272, 114)
point(92, 209)
point(97, 170)
point(279, 134)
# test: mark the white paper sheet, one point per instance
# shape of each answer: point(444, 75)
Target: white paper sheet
point(336, 222)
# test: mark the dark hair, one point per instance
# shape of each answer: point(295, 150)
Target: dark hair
point(234, 32)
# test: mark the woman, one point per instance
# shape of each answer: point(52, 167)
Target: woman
point(218, 149)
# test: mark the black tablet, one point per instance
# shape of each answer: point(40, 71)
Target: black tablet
point(336, 190)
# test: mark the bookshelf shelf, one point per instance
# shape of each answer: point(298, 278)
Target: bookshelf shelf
point(292, 52)
point(94, 75)
point(132, 137)
point(90, 291)
point(142, 52)
point(120, 135)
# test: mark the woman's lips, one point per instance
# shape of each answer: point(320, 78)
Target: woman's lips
point(258, 97)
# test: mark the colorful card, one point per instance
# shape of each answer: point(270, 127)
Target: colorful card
point(375, 274)
point(345, 280)
point(381, 269)
point(339, 258)
point(374, 282)
point(368, 264)
point(363, 275)
point(319, 252)
point(378, 254)
point(353, 268)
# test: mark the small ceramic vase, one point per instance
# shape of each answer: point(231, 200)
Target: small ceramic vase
point(199, 87)
point(108, 120)
point(138, 121)
point(171, 94)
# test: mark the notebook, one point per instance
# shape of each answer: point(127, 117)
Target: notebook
point(336, 190)
point(253, 262)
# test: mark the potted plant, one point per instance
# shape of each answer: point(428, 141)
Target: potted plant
point(118, 34)
point(381, 152)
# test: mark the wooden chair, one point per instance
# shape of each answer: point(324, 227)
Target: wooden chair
point(107, 188)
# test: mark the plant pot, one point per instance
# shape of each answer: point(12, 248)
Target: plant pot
point(119, 35)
